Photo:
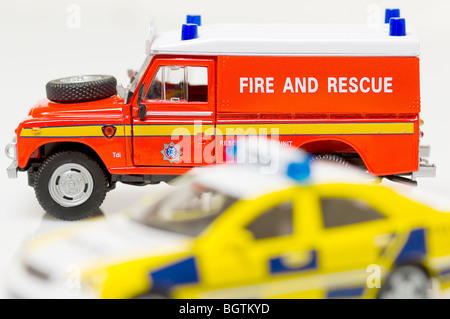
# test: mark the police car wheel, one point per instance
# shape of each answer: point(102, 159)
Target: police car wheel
point(81, 88)
point(70, 185)
point(406, 282)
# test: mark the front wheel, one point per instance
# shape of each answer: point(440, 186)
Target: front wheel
point(70, 185)
point(405, 282)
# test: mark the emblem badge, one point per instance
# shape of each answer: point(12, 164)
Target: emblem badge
point(171, 152)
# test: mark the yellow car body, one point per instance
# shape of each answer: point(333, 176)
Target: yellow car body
point(292, 241)
point(314, 262)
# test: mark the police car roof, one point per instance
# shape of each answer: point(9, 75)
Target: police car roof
point(289, 40)
point(250, 181)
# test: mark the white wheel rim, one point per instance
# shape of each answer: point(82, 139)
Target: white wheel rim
point(81, 78)
point(71, 185)
point(407, 284)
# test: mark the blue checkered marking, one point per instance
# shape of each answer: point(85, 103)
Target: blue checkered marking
point(346, 292)
point(182, 272)
point(415, 247)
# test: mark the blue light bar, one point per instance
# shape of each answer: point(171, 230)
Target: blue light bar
point(194, 19)
point(391, 13)
point(299, 171)
point(189, 32)
point(397, 27)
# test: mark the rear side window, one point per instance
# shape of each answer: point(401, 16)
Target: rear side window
point(343, 211)
point(179, 84)
point(275, 222)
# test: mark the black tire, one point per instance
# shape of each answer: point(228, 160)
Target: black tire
point(331, 158)
point(84, 88)
point(85, 181)
point(412, 277)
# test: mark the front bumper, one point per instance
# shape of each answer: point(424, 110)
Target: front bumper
point(11, 152)
point(426, 169)
point(21, 284)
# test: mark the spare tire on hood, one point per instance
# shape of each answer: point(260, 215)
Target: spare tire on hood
point(82, 88)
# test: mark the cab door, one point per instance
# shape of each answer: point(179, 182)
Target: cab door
point(178, 129)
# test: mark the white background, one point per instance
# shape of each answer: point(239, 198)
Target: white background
point(41, 40)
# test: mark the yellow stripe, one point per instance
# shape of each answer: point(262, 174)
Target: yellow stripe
point(316, 128)
point(69, 131)
point(169, 130)
point(128, 130)
point(226, 129)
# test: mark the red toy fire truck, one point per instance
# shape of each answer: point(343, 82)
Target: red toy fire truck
point(344, 92)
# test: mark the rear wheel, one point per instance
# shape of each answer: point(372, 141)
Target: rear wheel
point(70, 185)
point(350, 161)
point(406, 282)
point(331, 158)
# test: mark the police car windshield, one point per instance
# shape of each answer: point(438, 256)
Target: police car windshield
point(188, 210)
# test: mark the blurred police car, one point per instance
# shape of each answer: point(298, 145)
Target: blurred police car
point(274, 224)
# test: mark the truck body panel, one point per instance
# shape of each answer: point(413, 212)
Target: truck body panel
point(349, 92)
point(320, 86)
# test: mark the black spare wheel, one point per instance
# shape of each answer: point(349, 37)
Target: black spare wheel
point(81, 88)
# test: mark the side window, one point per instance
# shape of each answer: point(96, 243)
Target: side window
point(179, 83)
point(197, 80)
point(174, 84)
point(343, 211)
point(275, 222)
point(155, 91)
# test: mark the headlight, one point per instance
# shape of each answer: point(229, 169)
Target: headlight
point(11, 150)
point(37, 273)
point(92, 285)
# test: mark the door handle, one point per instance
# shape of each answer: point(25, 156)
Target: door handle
point(200, 138)
point(180, 113)
point(296, 259)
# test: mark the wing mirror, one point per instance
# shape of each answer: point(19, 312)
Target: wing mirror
point(131, 73)
point(121, 90)
point(142, 107)
point(240, 240)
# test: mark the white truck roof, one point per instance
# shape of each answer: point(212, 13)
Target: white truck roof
point(289, 40)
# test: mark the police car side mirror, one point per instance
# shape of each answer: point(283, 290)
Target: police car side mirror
point(240, 240)
point(142, 107)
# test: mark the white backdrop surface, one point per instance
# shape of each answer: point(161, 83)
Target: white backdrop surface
point(41, 40)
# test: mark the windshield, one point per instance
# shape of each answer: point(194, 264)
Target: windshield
point(187, 210)
point(134, 81)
